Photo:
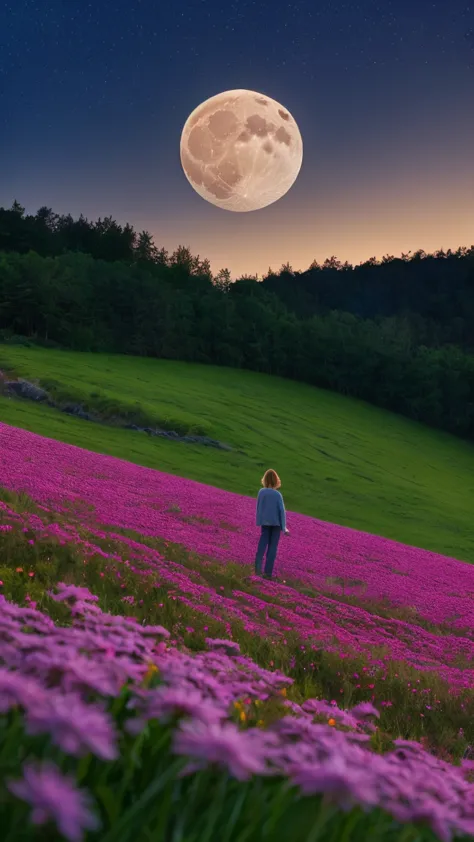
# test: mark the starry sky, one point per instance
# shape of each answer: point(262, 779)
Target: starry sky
point(94, 95)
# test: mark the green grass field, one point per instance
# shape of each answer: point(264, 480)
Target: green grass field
point(340, 460)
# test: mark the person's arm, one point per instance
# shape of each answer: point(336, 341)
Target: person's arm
point(282, 513)
point(259, 500)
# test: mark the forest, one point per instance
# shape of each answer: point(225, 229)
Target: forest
point(398, 333)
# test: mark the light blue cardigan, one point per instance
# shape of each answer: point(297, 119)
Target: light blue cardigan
point(270, 508)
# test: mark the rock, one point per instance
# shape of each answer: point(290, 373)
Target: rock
point(35, 393)
point(26, 390)
point(174, 436)
point(207, 442)
point(78, 411)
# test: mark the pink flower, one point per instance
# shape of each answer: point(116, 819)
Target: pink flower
point(54, 797)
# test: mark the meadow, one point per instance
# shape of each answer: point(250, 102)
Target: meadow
point(340, 460)
point(144, 666)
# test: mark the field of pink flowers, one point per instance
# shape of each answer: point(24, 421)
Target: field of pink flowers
point(376, 641)
point(219, 524)
point(333, 565)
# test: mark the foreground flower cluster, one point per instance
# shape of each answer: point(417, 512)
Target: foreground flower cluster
point(101, 715)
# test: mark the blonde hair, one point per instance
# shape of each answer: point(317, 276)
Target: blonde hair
point(271, 479)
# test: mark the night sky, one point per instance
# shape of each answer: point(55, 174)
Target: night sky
point(94, 95)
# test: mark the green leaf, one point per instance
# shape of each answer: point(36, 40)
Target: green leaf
point(110, 802)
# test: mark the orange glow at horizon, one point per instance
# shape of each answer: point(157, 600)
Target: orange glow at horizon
point(355, 229)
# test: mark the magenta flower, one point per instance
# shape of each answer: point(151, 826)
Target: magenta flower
point(365, 710)
point(73, 593)
point(436, 815)
point(222, 745)
point(230, 647)
point(335, 778)
point(77, 728)
point(330, 711)
point(165, 703)
point(154, 631)
point(55, 798)
point(17, 689)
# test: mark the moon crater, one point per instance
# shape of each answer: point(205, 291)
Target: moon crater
point(241, 151)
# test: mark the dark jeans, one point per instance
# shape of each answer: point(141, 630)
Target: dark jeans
point(269, 540)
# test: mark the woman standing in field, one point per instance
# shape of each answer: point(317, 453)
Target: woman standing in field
point(271, 517)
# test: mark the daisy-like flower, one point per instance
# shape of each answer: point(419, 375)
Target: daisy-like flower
point(55, 798)
point(77, 728)
point(223, 745)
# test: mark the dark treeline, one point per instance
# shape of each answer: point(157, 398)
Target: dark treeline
point(395, 333)
point(432, 294)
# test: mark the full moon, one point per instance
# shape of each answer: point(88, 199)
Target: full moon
point(241, 150)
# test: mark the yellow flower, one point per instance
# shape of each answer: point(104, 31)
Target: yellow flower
point(151, 671)
point(238, 705)
point(260, 723)
point(283, 692)
point(242, 716)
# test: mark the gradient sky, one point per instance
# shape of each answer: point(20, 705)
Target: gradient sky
point(94, 95)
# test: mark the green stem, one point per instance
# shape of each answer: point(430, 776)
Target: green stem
point(214, 813)
point(234, 815)
point(319, 824)
point(150, 793)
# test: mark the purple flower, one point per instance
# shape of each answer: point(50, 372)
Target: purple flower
point(61, 666)
point(17, 689)
point(168, 702)
point(323, 708)
point(55, 798)
point(82, 607)
point(336, 779)
point(357, 738)
point(84, 673)
point(74, 593)
point(77, 728)
point(224, 745)
point(365, 710)
point(436, 815)
point(297, 709)
point(230, 647)
point(154, 631)
point(411, 746)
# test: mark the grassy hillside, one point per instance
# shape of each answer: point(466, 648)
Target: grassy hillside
point(340, 460)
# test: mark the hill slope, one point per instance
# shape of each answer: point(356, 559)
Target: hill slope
point(340, 460)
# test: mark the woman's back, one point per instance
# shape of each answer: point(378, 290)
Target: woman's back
point(270, 508)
